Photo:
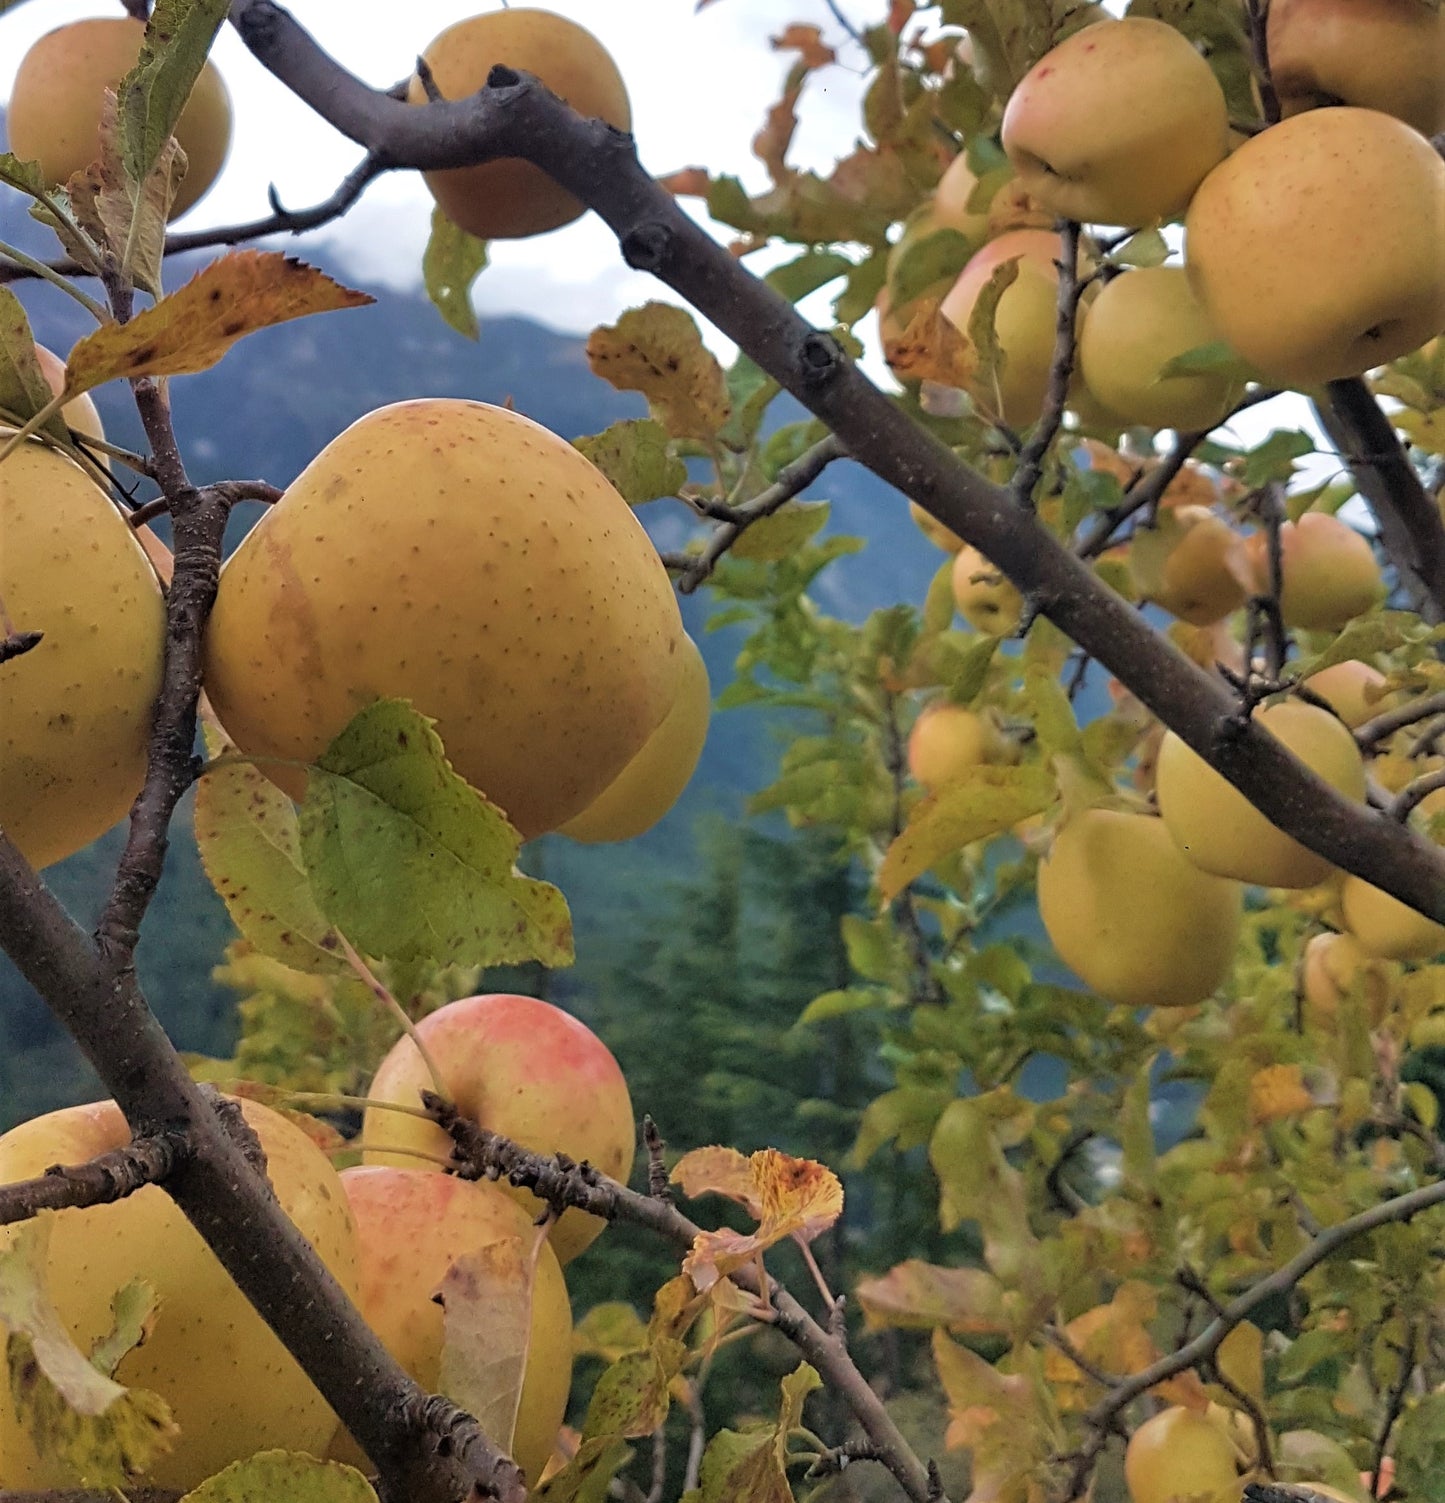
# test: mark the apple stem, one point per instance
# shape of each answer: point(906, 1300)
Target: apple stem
point(400, 1013)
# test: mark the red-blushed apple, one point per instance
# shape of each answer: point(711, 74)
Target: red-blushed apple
point(1318, 247)
point(232, 1387)
point(1024, 323)
point(411, 1227)
point(1379, 54)
point(519, 1067)
point(1118, 124)
point(1336, 968)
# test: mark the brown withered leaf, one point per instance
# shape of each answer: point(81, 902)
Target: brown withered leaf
point(930, 348)
point(195, 326)
point(807, 42)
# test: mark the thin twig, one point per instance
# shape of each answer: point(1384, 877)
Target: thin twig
point(107, 1177)
point(1415, 793)
point(1384, 725)
point(1030, 467)
point(1394, 1406)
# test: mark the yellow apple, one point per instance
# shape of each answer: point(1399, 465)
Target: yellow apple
point(1352, 689)
point(1024, 323)
point(1387, 927)
point(1222, 832)
point(1186, 563)
point(1118, 124)
point(1329, 572)
point(1181, 1457)
point(986, 599)
point(1136, 326)
point(510, 198)
point(1135, 920)
point(519, 1067)
point(948, 739)
point(1379, 54)
point(75, 711)
point(934, 530)
point(232, 1387)
point(54, 113)
point(1318, 247)
point(653, 781)
point(410, 1228)
point(1337, 967)
point(464, 558)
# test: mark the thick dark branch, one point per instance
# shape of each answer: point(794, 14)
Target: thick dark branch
point(514, 116)
point(110, 1176)
point(1409, 520)
point(17, 643)
point(277, 1269)
point(563, 1183)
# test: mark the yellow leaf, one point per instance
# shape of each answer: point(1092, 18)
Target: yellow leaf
point(986, 801)
point(1278, 1091)
point(657, 350)
point(997, 1416)
point(914, 1295)
point(1241, 1359)
point(718, 1171)
point(194, 327)
point(795, 1198)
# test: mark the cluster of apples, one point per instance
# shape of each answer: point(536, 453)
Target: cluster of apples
point(55, 109)
point(1124, 124)
point(448, 552)
point(388, 1229)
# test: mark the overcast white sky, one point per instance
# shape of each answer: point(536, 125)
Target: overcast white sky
point(700, 83)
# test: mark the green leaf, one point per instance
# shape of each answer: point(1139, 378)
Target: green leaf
point(133, 1309)
point(780, 535)
point(15, 173)
point(977, 1183)
point(412, 863)
point(24, 391)
point(1420, 1451)
point(925, 263)
point(635, 456)
point(250, 845)
point(609, 1330)
point(986, 802)
point(751, 390)
point(1383, 631)
point(451, 263)
point(1143, 248)
point(982, 324)
point(1274, 458)
point(107, 1434)
point(875, 949)
point(861, 291)
point(812, 270)
point(841, 1004)
point(906, 1116)
point(1215, 358)
point(486, 1300)
point(631, 1397)
point(749, 1466)
point(270, 1476)
point(153, 94)
point(961, 660)
point(587, 1477)
point(1050, 710)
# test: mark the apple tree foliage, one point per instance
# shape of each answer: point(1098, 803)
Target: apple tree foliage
point(1274, 1247)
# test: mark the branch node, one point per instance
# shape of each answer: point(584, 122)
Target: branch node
point(820, 358)
point(18, 643)
point(503, 77)
point(428, 83)
point(646, 247)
